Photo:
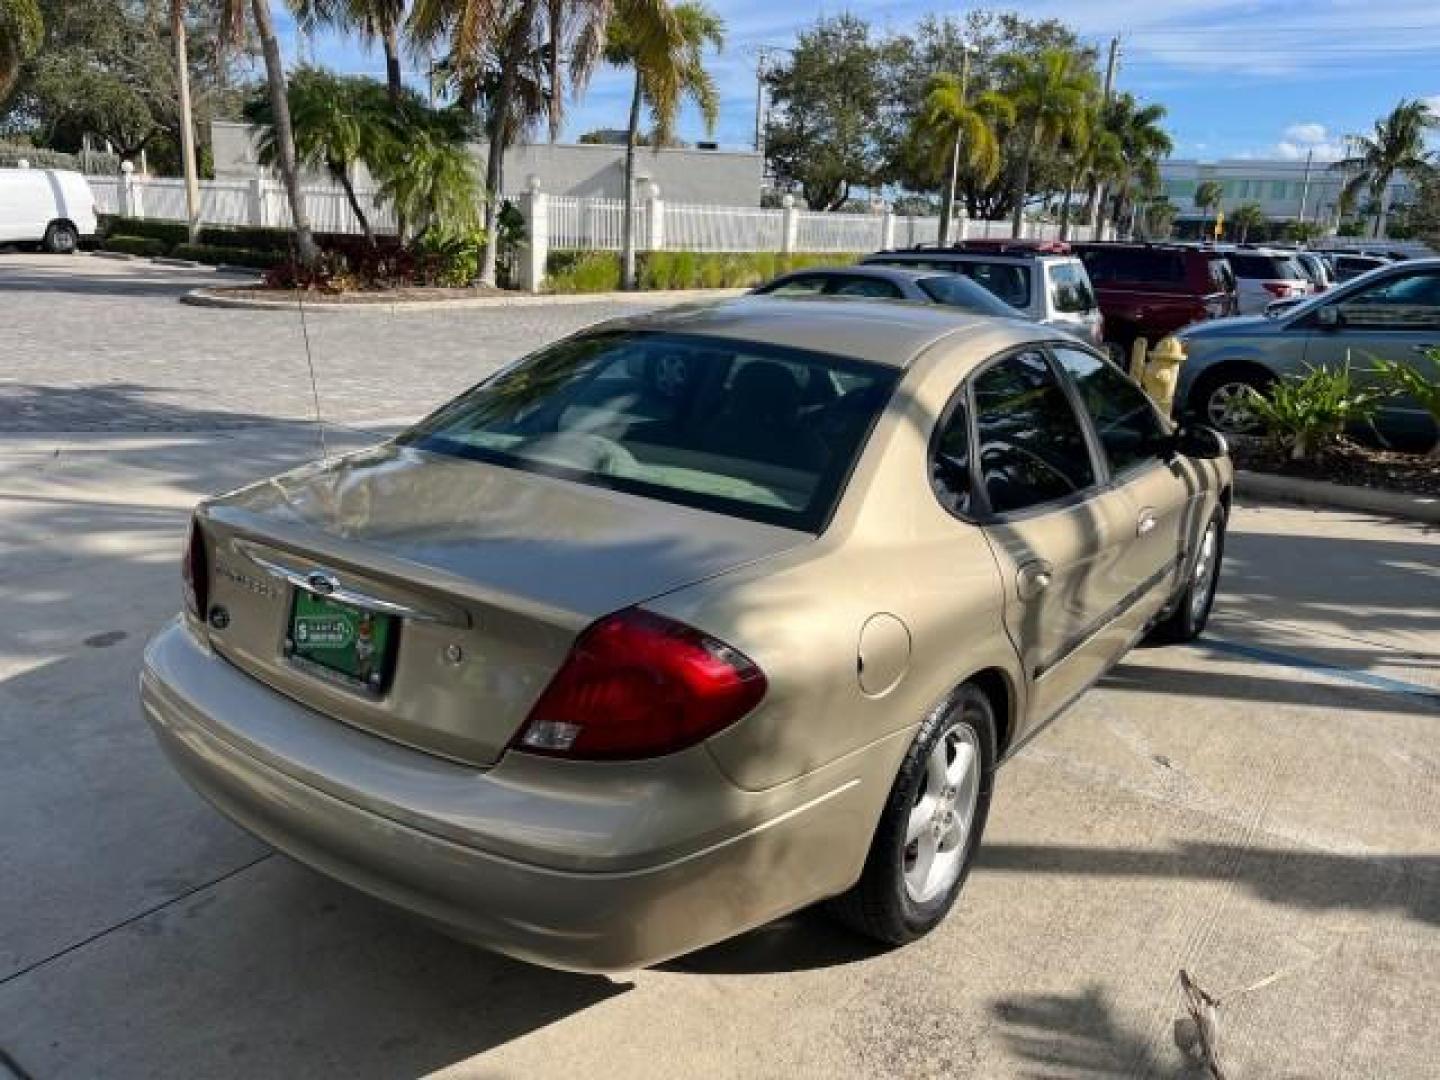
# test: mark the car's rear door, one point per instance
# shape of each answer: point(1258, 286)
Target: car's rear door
point(1164, 494)
point(1057, 532)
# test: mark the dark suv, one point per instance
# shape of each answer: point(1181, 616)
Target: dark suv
point(1151, 290)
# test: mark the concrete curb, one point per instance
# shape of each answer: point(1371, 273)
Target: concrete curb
point(185, 264)
point(217, 299)
point(118, 256)
point(1340, 496)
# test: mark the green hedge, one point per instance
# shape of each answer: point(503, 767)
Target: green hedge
point(232, 256)
point(599, 271)
point(175, 233)
point(148, 246)
point(168, 233)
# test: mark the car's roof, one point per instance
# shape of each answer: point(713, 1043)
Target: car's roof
point(875, 270)
point(960, 255)
point(893, 333)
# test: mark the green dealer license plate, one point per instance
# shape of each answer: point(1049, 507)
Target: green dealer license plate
point(343, 642)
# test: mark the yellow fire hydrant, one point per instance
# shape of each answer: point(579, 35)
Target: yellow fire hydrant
point(1162, 372)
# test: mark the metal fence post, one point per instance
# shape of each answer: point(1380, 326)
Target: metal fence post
point(255, 199)
point(887, 229)
point(789, 226)
point(534, 251)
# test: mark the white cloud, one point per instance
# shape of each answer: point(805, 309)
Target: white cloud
point(1306, 134)
point(1290, 150)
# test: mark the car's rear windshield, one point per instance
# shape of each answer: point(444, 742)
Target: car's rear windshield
point(1105, 265)
point(754, 431)
point(1265, 267)
point(1010, 281)
point(955, 290)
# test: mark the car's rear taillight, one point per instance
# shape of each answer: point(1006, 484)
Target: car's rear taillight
point(638, 685)
point(194, 572)
point(1282, 288)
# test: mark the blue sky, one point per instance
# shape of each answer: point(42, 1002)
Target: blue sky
point(1241, 78)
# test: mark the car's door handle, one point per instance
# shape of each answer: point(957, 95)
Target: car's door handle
point(1146, 524)
point(1034, 578)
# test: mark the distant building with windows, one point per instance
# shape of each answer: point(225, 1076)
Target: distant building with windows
point(1284, 190)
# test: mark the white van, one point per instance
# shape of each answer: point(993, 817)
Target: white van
point(49, 207)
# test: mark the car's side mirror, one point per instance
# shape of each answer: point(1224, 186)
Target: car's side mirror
point(1199, 441)
point(1329, 318)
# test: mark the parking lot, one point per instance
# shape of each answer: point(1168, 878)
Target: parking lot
point(1261, 810)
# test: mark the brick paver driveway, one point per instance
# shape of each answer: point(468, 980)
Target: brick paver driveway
point(98, 345)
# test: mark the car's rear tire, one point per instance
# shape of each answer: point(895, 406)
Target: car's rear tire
point(1220, 399)
point(60, 238)
point(931, 826)
point(1191, 609)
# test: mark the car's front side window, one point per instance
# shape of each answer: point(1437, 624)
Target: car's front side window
point(1129, 429)
point(870, 288)
point(1032, 448)
point(809, 285)
point(1404, 302)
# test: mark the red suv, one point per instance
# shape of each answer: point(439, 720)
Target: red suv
point(1151, 290)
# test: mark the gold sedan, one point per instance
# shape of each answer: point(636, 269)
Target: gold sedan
point(686, 622)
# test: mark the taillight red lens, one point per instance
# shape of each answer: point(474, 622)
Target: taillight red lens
point(638, 685)
point(194, 572)
point(1280, 288)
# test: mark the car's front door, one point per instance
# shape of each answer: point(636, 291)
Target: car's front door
point(1396, 318)
point(1058, 534)
point(1164, 493)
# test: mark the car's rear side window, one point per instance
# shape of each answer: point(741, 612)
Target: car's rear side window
point(1032, 448)
point(1010, 281)
point(753, 431)
point(1105, 265)
point(1265, 267)
point(1070, 289)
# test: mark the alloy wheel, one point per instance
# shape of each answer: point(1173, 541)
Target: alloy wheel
point(1207, 566)
point(1229, 407)
point(938, 830)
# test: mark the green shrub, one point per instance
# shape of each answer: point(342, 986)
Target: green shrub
point(1306, 414)
point(1410, 380)
point(231, 256)
point(147, 246)
point(451, 261)
point(583, 271)
point(169, 233)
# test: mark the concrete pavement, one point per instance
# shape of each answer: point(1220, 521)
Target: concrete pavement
point(1260, 809)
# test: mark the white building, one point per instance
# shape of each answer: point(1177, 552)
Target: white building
point(683, 174)
point(1284, 190)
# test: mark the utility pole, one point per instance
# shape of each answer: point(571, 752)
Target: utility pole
point(947, 212)
point(1305, 186)
point(762, 53)
point(1110, 66)
point(187, 120)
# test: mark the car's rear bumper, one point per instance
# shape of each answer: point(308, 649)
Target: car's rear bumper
point(477, 851)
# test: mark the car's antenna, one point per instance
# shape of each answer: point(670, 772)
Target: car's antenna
point(310, 363)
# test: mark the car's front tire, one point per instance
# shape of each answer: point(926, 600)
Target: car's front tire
point(930, 829)
point(1191, 610)
point(60, 238)
point(1222, 399)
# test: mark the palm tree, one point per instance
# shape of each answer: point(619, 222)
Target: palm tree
point(1397, 145)
point(1142, 141)
point(1208, 195)
point(338, 123)
point(1247, 217)
point(962, 133)
point(1101, 158)
point(1158, 217)
point(1051, 98)
point(370, 20)
point(663, 77)
point(503, 46)
point(21, 32)
point(232, 32)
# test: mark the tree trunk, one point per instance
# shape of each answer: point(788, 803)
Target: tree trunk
point(627, 254)
point(947, 197)
point(1070, 185)
point(495, 166)
point(305, 247)
point(342, 177)
point(187, 120)
point(1022, 182)
point(394, 81)
point(557, 94)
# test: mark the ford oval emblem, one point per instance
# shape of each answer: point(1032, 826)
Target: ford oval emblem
point(320, 583)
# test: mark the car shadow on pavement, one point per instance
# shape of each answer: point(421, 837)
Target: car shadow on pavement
point(803, 941)
point(139, 282)
point(1408, 885)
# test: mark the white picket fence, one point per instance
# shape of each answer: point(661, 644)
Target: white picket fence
point(574, 222)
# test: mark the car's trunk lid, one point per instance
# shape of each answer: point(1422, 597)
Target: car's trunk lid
point(488, 574)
